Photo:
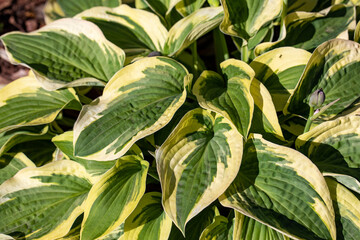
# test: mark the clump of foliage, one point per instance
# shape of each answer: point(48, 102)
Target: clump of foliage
point(184, 119)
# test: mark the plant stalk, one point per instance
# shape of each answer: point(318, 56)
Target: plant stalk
point(195, 59)
point(245, 53)
point(309, 121)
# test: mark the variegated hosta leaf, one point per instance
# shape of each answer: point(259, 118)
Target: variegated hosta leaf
point(9, 139)
point(139, 100)
point(280, 70)
point(67, 52)
point(44, 202)
point(229, 95)
point(116, 234)
point(244, 18)
point(25, 103)
point(282, 188)
point(346, 180)
point(186, 7)
point(307, 30)
point(334, 146)
point(10, 164)
point(95, 168)
point(114, 197)
point(148, 220)
point(55, 9)
point(192, 27)
point(162, 7)
point(132, 29)
point(196, 225)
point(249, 228)
point(221, 228)
point(301, 5)
point(347, 211)
point(357, 33)
point(265, 120)
point(329, 68)
point(196, 163)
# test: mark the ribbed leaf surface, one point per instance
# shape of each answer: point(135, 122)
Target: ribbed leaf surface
point(196, 163)
point(44, 202)
point(25, 103)
point(282, 188)
point(65, 51)
point(329, 68)
point(228, 94)
point(112, 199)
point(10, 164)
point(139, 100)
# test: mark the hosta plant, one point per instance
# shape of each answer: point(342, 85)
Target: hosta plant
point(178, 119)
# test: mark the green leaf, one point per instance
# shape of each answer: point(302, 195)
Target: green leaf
point(327, 69)
point(148, 220)
point(347, 211)
point(131, 29)
point(10, 164)
point(9, 139)
point(95, 168)
point(221, 228)
point(282, 188)
point(55, 9)
point(229, 95)
point(162, 7)
point(67, 52)
point(334, 146)
point(265, 120)
point(196, 225)
point(249, 228)
point(280, 70)
point(189, 29)
point(186, 7)
point(255, 14)
point(25, 103)
point(115, 191)
point(199, 159)
point(307, 30)
point(43, 203)
point(139, 100)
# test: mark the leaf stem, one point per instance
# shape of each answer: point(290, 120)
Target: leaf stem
point(221, 49)
point(309, 121)
point(245, 53)
point(195, 59)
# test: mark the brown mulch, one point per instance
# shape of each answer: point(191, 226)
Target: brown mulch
point(18, 15)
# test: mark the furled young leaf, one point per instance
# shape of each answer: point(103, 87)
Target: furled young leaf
point(221, 228)
point(200, 158)
point(265, 120)
point(112, 199)
point(334, 146)
point(55, 9)
point(328, 69)
point(249, 228)
point(307, 30)
point(280, 70)
point(162, 7)
point(190, 28)
point(148, 220)
point(25, 103)
point(139, 100)
point(186, 7)
point(244, 18)
point(196, 225)
point(282, 188)
point(9, 139)
point(347, 211)
point(43, 203)
point(67, 52)
point(131, 29)
point(229, 95)
point(10, 164)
